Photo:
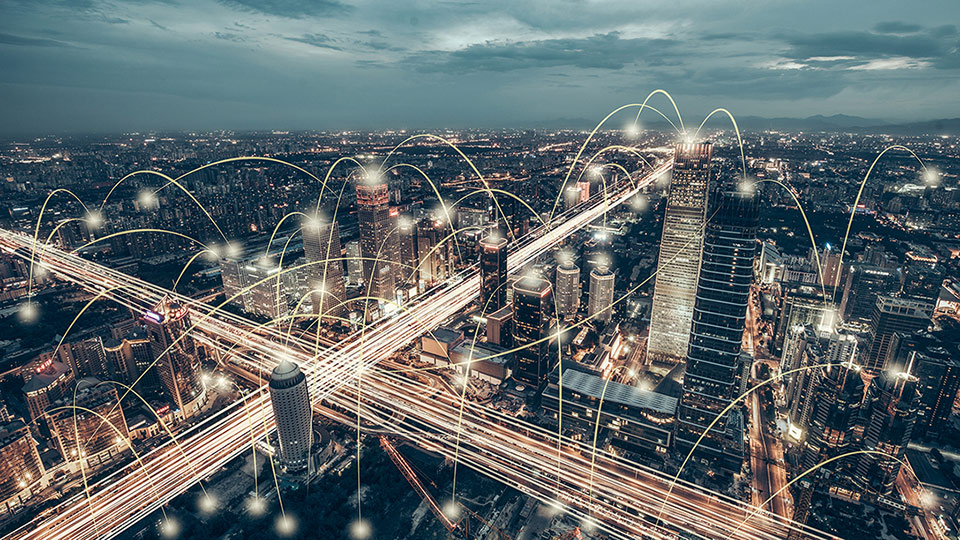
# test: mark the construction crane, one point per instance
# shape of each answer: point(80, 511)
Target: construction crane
point(415, 483)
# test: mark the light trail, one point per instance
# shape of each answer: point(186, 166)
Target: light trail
point(497, 445)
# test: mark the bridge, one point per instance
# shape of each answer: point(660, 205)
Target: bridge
point(623, 499)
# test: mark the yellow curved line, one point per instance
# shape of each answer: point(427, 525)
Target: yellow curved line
point(813, 241)
point(326, 178)
point(189, 262)
point(36, 232)
point(583, 147)
point(132, 231)
point(675, 109)
point(596, 428)
point(856, 201)
point(804, 473)
point(502, 192)
point(736, 128)
point(465, 158)
point(721, 414)
point(436, 191)
point(86, 486)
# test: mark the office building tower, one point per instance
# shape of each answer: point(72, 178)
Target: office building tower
point(938, 379)
point(679, 263)
point(837, 402)
point(354, 263)
point(98, 424)
point(801, 304)
point(493, 274)
point(532, 314)
point(321, 248)
point(177, 356)
point(435, 250)
point(129, 356)
point(45, 381)
point(231, 275)
point(892, 417)
point(21, 469)
point(86, 357)
point(893, 314)
point(584, 187)
point(921, 279)
point(600, 302)
point(568, 289)
point(713, 367)
point(409, 258)
point(378, 241)
point(863, 285)
point(290, 398)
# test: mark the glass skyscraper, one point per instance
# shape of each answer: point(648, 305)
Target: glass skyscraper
point(713, 367)
point(679, 263)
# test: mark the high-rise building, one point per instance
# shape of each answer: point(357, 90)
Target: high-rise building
point(409, 258)
point(568, 289)
point(600, 302)
point(532, 311)
point(378, 241)
point(801, 304)
point(98, 424)
point(45, 381)
point(713, 368)
point(893, 314)
point(354, 263)
point(290, 398)
point(679, 262)
point(321, 248)
point(837, 402)
point(493, 274)
point(21, 469)
point(893, 415)
point(938, 378)
point(176, 354)
point(864, 283)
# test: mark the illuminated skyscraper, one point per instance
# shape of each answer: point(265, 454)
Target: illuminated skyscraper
point(178, 360)
point(568, 289)
point(836, 407)
point(321, 243)
point(378, 240)
point(102, 433)
point(600, 303)
point(493, 274)
point(679, 263)
point(290, 398)
point(409, 273)
point(893, 314)
point(893, 415)
point(714, 367)
point(532, 309)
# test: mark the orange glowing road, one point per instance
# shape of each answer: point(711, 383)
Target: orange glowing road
point(497, 445)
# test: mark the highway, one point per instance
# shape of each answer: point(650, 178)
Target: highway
point(624, 500)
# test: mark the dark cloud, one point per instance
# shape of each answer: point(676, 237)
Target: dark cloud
point(292, 8)
point(863, 44)
point(601, 51)
point(897, 27)
point(10, 39)
point(317, 40)
point(229, 36)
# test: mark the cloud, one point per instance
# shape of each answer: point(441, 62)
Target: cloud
point(897, 27)
point(229, 36)
point(601, 51)
point(291, 8)
point(316, 40)
point(10, 39)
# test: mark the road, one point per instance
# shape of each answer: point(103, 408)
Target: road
point(624, 499)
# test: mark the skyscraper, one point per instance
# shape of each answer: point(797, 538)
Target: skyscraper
point(713, 365)
point(568, 289)
point(600, 303)
point(864, 283)
point(493, 274)
point(938, 375)
point(178, 360)
point(836, 408)
point(321, 243)
point(893, 415)
point(378, 240)
point(21, 469)
point(532, 309)
point(290, 398)
point(679, 263)
point(408, 244)
point(893, 314)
